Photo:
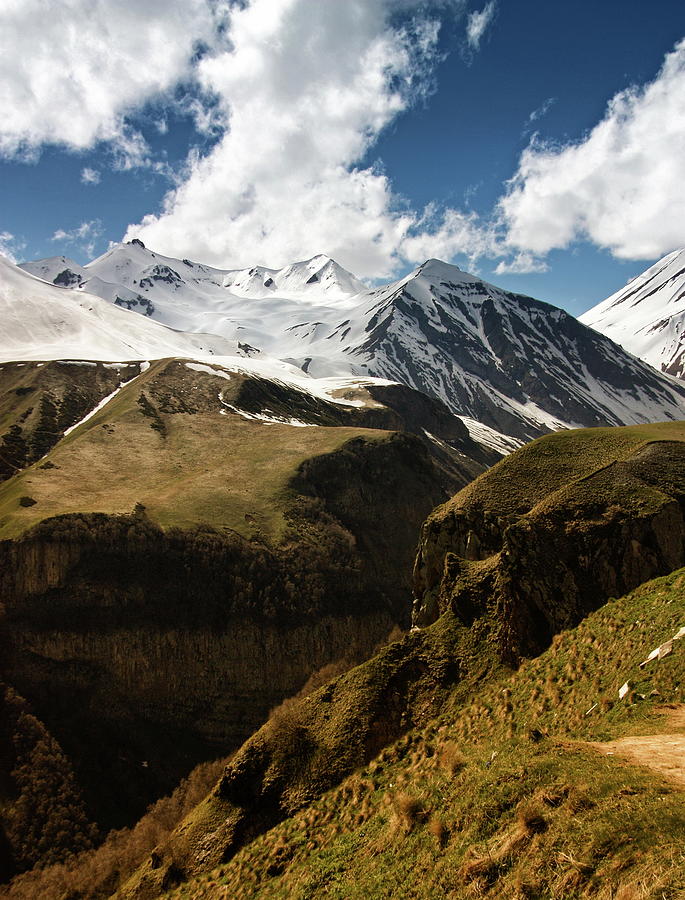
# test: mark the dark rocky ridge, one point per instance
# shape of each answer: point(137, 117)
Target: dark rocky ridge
point(467, 342)
point(38, 402)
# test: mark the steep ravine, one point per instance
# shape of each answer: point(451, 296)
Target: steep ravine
point(525, 551)
point(145, 651)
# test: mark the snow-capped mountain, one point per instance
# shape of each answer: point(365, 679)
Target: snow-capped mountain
point(41, 321)
point(520, 366)
point(647, 316)
point(190, 296)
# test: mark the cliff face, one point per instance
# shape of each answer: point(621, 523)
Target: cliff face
point(537, 568)
point(146, 651)
point(308, 747)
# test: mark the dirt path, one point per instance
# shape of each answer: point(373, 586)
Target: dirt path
point(663, 753)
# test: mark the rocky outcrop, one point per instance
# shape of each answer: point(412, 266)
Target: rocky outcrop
point(539, 570)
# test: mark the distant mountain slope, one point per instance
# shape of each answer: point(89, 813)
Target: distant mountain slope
point(41, 321)
point(515, 364)
point(519, 365)
point(647, 316)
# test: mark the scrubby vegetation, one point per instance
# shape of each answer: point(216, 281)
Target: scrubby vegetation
point(42, 814)
point(96, 873)
point(501, 795)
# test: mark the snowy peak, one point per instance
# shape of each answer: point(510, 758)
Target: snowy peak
point(518, 365)
point(435, 270)
point(135, 267)
point(647, 316)
point(43, 321)
point(60, 270)
point(317, 278)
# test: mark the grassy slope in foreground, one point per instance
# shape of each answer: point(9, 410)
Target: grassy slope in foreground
point(499, 795)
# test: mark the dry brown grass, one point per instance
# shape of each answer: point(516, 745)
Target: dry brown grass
point(222, 470)
point(438, 828)
point(409, 810)
point(450, 758)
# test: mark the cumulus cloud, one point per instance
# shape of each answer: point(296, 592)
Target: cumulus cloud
point(292, 93)
point(447, 234)
point(70, 77)
point(621, 186)
point(85, 236)
point(521, 264)
point(477, 24)
point(90, 176)
point(306, 89)
point(10, 245)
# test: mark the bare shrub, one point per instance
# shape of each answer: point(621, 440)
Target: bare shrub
point(450, 758)
point(98, 873)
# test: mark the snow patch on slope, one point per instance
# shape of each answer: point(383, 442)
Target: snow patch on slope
point(647, 316)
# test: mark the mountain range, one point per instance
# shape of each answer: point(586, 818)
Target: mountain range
point(506, 363)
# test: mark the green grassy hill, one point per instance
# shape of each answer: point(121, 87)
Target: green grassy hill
point(500, 794)
point(552, 531)
point(173, 441)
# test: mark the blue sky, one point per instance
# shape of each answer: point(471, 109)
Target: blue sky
point(381, 132)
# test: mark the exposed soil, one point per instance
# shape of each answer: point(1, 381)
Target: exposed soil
point(663, 753)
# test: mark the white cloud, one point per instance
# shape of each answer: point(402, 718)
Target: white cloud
point(10, 246)
point(70, 74)
point(621, 186)
point(447, 235)
point(293, 92)
point(85, 236)
point(90, 176)
point(521, 264)
point(306, 89)
point(541, 110)
point(477, 24)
